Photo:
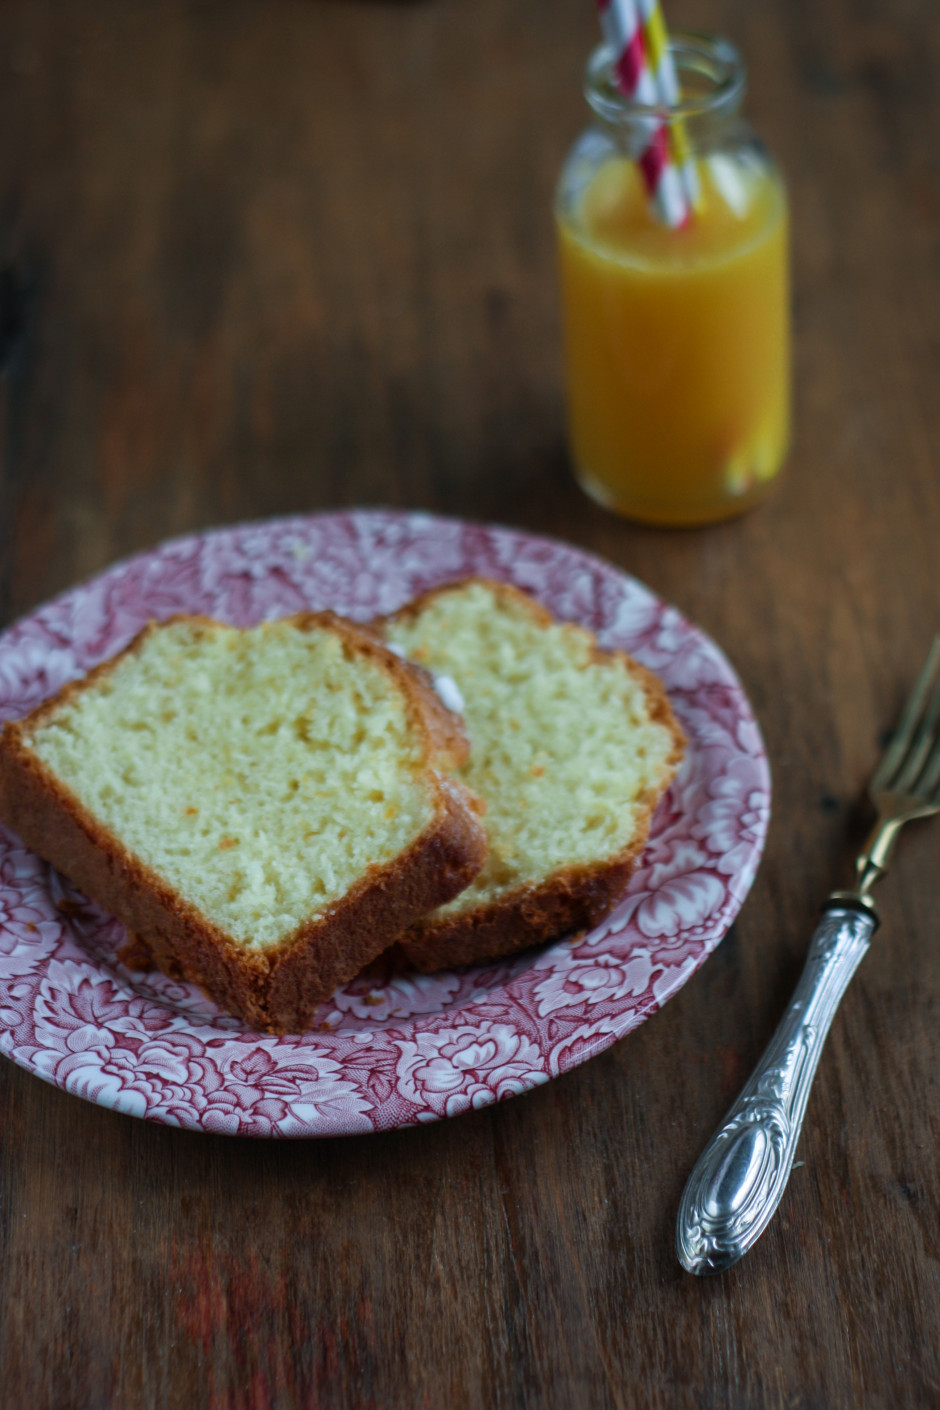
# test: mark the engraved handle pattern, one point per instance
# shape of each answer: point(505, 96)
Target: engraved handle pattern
point(740, 1177)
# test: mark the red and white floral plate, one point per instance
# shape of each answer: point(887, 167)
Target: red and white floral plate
point(415, 1048)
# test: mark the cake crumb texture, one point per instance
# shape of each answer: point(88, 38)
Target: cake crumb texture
point(259, 783)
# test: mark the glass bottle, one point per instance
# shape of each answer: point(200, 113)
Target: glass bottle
point(676, 340)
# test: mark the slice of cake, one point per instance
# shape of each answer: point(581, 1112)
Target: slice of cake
point(264, 809)
point(571, 747)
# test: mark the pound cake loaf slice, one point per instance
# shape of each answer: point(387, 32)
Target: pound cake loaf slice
point(571, 748)
point(264, 809)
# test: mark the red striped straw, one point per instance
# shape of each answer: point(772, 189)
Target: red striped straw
point(623, 28)
point(666, 82)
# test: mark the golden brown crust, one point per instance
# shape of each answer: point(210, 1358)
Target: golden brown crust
point(279, 988)
point(507, 591)
point(572, 897)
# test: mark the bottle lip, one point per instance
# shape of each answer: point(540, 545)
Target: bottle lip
point(715, 63)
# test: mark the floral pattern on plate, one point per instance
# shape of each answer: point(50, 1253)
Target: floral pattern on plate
point(386, 1051)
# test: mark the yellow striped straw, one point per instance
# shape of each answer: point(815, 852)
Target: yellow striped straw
point(656, 48)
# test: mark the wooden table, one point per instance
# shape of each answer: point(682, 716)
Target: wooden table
point(265, 257)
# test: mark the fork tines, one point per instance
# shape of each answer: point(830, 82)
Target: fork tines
point(911, 762)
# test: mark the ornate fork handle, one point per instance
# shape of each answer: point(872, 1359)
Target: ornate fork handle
point(740, 1177)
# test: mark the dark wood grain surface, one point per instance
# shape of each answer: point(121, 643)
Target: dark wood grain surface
point(260, 256)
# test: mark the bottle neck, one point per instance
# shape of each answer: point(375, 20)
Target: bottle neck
point(712, 80)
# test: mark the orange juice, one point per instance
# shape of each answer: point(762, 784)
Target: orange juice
point(677, 342)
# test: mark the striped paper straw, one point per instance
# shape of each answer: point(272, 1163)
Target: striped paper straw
point(623, 28)
point(655, 40)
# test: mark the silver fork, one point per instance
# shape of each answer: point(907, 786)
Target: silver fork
point(739, 1179)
